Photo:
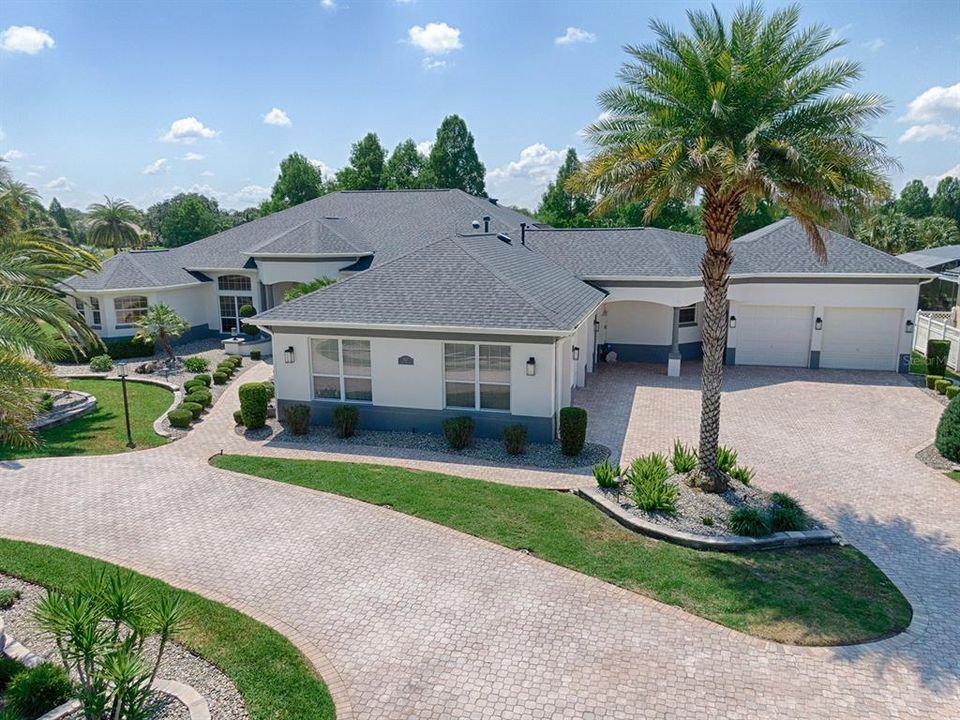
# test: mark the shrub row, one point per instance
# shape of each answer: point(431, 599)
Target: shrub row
point(121, 349)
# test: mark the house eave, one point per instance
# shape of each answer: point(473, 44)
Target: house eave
point(263, 322)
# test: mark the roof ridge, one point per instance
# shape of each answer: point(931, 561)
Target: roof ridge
point(766, 229)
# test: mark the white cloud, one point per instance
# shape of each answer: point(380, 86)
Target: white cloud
point(425, 147)
point(61, 184)
point(575, 35)
point(328, 4)
point(277, 117)
point(25, 39)
point(429, 63)
point(522, 181)
point(933, 104)
point(930, 131)
point(406, 2)
point(874, 45)
point(207, 173)
point(192, 156)
point(13, 154)
point(251, 194)
point(157, 167)
point(932, 180)
point(326, 171)
point(435, 38)
point(188, 130)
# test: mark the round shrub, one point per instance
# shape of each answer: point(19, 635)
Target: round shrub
point(749, 521)
point(253, 404)
point(226, 368)
point(515, 439)
point(238, 417)
point(235, 360)
point(220, 378)
point(254, 355)
point(952, 391)
point(37, 691)
point(248, 329)
point(297, 418)
point(271, 389)
point(937, 353)
point(180, 418)
point(941, 386)
point(948, 431)
point(204, 378)
point(247, 311)
point(458, 431)
point(932, 381)
point(345, 419)
point(190, 385)
point(203, 399)
point(573, 430)
point(196, 364)
point(8, 668)
point(194, 408)
point(101, 363)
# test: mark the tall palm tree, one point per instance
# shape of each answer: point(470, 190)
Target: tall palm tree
point(114, 223)
point(161, 323)
point(735, 115)
point(37, 323)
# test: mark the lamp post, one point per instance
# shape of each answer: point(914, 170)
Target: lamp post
point(122, 372)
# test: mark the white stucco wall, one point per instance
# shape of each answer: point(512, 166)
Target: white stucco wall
point(189, 302)
point(637, 323)
point(274, 271)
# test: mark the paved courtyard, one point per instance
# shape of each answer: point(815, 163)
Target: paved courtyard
point(407, 619)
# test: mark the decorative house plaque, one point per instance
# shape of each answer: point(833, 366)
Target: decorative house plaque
point(404, 360)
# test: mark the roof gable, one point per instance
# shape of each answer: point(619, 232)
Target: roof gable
point(316, 237)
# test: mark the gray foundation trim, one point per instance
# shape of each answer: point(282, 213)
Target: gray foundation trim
point(655, 353)
point(450, 337)
point(814, 359)
point(197, 332)
point(730, 356)
point(903, 364)
point(380, 417)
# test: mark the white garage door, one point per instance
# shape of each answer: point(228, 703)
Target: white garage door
point(860, 338)
point(773, 335)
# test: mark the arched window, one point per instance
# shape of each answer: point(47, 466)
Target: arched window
point(129, 309)
point(234, 282)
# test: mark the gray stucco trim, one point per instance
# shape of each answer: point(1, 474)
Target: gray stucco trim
point(417, 420)
point(415, 334)
point(730, 356)
point(655, 353)
point(814, 359)
point(196, 332)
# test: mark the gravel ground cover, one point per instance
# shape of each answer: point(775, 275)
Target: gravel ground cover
point(177, 663)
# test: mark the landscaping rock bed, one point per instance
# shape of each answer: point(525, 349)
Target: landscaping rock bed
point(66, 406)
point(921, 382)
point(931, 457)
point(178, 663)
point(538, 455)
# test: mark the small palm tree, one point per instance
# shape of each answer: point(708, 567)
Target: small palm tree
point(735, 115)
point(161, 323)
point(114, 223)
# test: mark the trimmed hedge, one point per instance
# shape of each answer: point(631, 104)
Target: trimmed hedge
point(345, 420)
point(253, 404)
point(515, 439)
point(101, 363)
point(204, 378)
point(254, 355)
point(36, 691)
point(948, 431)
point(952, 392)
point(196, 364)
point(191, 385)
point(458, 431)
point(220, 378)
point(941, 386)
point(297, 418)
point(573, 430)
point(238, 417)
point(932, 381)
point(120, 349)
point(937, 353)
point(202, 398)
point(180, 418)
point(194, 408)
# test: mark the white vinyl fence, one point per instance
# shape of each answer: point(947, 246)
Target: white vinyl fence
point(936, 326)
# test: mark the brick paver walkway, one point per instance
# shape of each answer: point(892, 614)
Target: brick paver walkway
point(422, 622)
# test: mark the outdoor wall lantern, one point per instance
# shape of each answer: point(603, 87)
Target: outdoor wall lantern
point(909, 326)
point(288, 356)
point(596, 325)
point(733, 321)
point(531, 367)
point(576, 353)
point(818, 323)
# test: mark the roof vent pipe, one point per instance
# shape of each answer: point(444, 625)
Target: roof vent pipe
point(504, 238)
point(486, 223)
point(476, 224)
point(523, 233)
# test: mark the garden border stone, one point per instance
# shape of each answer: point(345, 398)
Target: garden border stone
point(720, 543)
point(85, 406)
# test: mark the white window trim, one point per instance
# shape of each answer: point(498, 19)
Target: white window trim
point(116, 319)
point(476, 378)
point(691, 323)
point(236, 305)
point(342, 376)
point(95, 310)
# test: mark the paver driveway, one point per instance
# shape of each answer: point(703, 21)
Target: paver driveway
point(422, 622)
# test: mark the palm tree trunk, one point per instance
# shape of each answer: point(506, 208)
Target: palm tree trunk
point(719, 220)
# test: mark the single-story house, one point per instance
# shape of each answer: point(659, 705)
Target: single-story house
point(944, 292)
point(446, 304)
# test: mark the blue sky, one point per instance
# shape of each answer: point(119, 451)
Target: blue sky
point(141, 100)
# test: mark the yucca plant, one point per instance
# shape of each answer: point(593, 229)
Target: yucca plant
point(683, 459)
point(726, 459)
point(652, 489)
point(606, 474)
point(742, 473)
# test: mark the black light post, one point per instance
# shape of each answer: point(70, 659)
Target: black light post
point(122, 372)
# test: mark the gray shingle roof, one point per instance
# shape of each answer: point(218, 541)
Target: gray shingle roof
point(320, 236)
point(932, 257)
point(137, 269)
point(476, 281)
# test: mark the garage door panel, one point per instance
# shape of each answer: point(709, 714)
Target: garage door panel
point(774, 335)
point(860, 338)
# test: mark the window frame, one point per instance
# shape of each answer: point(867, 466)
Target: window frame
point(232, 277)
point(140, 311)
point(687, 323)
point(341, 375)
point(476, 378)
point(236, 310)
point(96, 318)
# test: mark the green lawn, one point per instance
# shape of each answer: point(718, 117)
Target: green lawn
point(274, 679)
point(954, 475)
point(807, 596)
point(103, 431)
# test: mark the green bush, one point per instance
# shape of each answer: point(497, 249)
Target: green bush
point(271, 390)
point(238, 417)
point(515, 439)
point(684, 459)
point(345, 419)
point(220, 378)
point(204, 378)
point(297, 418)
point(8, 668)
point(606, 474)
point(237, 360)
point(101, 363)
point(573, 430)
point(932, 381)
point(952, 392)
point(786, 519)
point(45, 403)
point(707, 520)
point(249, 329)
point(196, 364)
point(201, 397)
point(253, 404)
point(38, 690)
point(254, 355)
point(191, 385)
point(194, 408)
point(742, 473)
point(226, 368)
point(941, 386)
point(784, 500)
point(458, 431)
point(247, 311)
point(937, 353)
point(948, 431)
point(180, 418)
point(749, 521)
point(652, 490)
point(7, 598)
point(726, 459)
